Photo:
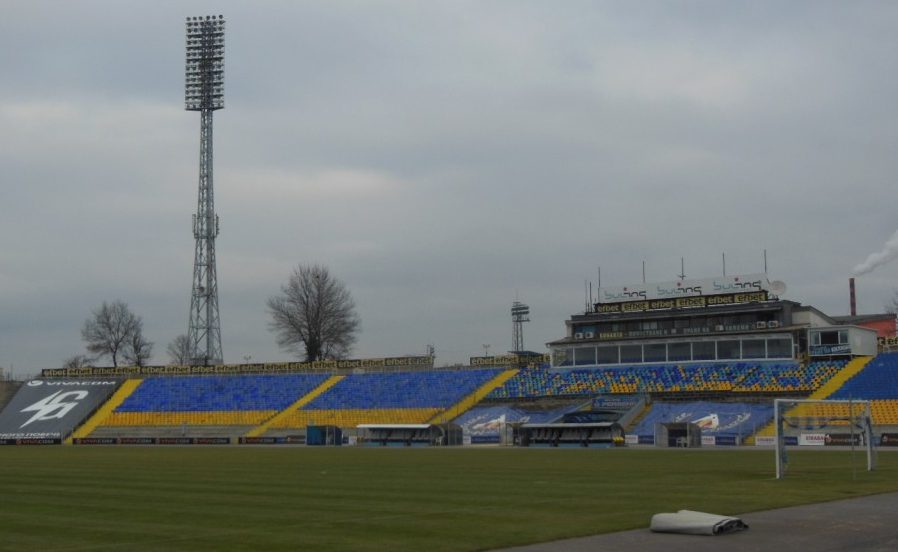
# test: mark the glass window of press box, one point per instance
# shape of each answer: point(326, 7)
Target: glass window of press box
point(833, 337)
point(680, 351)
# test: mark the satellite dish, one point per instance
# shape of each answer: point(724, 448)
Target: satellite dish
point(777, 287)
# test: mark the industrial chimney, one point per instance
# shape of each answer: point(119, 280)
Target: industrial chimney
point(852, 296)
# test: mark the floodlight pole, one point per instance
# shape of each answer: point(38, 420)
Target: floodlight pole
point(204, 92)
point(520, 313)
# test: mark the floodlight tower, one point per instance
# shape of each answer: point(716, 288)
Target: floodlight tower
point(520, 313)
point(204, 92)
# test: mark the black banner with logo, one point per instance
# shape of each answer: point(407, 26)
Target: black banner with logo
point(211, 441)
point(174, 441)
point(152, 441)
point(51, 409)
point(288, 440)
point(843, 440)
point(137, 441)
point(95, 441)
point(726, 440)
point(485, 439)
point(31, 441)
point(262, 440)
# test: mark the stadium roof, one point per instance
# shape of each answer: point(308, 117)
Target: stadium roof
point(864, 318)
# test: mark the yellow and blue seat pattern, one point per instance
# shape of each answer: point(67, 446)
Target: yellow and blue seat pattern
point(877, 382)
point(211, 400)
point(389, 397)
point(743, 376)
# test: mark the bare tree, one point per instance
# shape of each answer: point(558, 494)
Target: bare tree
point(77, 361)
point(314, 315)
point(111, 331)
point(179, 350)
point(139, 350)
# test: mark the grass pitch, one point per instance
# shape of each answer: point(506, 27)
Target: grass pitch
point(298, 498)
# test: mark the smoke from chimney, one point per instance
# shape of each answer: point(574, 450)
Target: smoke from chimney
point(853, 300)
point(888, 252)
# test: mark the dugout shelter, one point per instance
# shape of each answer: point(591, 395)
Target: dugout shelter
point(318, 435)
point(409, 435)
point(595, 434)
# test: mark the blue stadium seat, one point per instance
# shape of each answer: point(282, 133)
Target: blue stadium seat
point(219, 393)
point(432, 389)
point(878, 380)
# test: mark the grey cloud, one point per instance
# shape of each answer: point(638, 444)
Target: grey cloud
point(497, 148)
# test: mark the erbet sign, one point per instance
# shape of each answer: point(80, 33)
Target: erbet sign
point(687, 288)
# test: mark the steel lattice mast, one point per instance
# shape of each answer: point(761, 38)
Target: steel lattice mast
point(204, 92)
point(520, 313)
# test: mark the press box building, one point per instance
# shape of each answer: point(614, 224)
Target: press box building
point(722, 319)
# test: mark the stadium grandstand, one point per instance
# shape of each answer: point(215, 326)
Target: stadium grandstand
point(215, 405)
point(8, 388)
point(711, 353)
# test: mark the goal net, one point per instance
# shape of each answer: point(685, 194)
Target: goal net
point(821, 423)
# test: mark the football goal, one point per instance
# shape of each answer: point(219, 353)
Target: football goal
point(844, 423)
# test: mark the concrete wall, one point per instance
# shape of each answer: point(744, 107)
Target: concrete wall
point(7, 390)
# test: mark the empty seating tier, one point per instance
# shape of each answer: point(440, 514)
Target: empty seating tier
point(437, 389)
point(244, 400)
point(219, 393)
point(784, 377)
point(668, 378)
point(885, 412)
point(391, 397)
point(878, 380)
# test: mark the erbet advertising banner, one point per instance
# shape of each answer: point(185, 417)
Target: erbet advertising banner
point(267, 368)
point(677, 289)
point(45, 411)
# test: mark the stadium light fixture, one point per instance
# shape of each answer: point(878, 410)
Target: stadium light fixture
point(204, 82)
point(204, 92)
point(520, 313)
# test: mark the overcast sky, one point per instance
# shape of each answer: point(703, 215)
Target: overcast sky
point(441, 158)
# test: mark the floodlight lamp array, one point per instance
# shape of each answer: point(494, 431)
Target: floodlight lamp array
point(204, 73)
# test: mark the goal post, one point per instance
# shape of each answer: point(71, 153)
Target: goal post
point(815, 420)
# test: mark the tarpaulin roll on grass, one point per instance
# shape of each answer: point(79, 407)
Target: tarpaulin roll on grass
point(696, 523)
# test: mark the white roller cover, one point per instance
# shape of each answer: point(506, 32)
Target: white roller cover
point(695, 523)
